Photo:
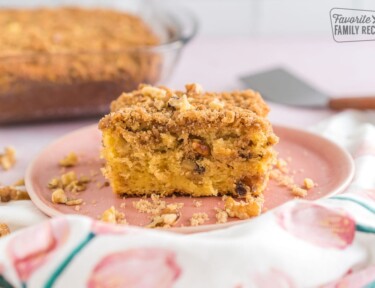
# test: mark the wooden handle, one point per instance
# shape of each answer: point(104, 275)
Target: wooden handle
point(360, 103)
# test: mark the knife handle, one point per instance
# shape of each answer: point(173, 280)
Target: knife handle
point(360, 103)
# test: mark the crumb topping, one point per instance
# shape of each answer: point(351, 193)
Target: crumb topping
point(8, 158)
point(198, 219)
point(155, 206)
point(69, 160)
point(221, 216)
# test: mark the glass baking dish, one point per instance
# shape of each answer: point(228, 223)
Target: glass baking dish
point(77, 85)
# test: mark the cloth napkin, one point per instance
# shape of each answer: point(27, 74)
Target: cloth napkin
point(326, 243)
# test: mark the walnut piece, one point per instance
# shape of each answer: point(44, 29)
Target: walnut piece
point(153, 92)
point(166, 220)
point(181, 103)
point(69, 160)
point(8, 159)
point(216, 104)
point(4, 230)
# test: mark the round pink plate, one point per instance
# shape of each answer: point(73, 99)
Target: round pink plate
point(310, 156)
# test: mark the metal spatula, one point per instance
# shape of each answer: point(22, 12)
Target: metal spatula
point(280, 86)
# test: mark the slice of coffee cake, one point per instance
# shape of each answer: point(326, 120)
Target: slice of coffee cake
point(161, 141)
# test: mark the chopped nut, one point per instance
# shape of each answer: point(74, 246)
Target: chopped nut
point(4, 230)
point(200, 148)
point(8, 159)
point(153, 92)
point(69, 161)
point(69, 182)
point(59, 196)
point(221, 216)
point(194, 88)
point(242, 210)
point(111, 215)
point(198, 219)
point(181, 103)
point(308, 183)
point(216, 104)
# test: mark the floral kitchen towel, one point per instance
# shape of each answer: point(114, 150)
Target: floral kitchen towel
point(326, 243)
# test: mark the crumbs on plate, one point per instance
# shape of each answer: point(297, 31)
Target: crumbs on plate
point(8, 158)
point(4, 229)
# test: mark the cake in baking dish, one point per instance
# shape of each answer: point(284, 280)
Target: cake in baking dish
point(157, 140)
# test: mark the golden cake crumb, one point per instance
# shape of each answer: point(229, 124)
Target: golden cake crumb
point(8, 158)
point(77, 208)
point(73, 202)
point(308, 183)
point(19, 182)
point(69, 182)
point(242, 209)
point(197, 203)
point(122, 205)
point(8, 193)
point(288, 182)
point(282, 165)
point(4, 230)
point(59, 196)
point(221, 216)
point(165, 220)
point(111, 215)
point(155, 206)
point(198, 219)
point(299, 192)
point(69, 160)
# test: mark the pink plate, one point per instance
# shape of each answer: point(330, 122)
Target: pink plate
point(311, 156)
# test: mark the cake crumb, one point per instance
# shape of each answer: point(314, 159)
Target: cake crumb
point(282, 165)
point(242, 209)
point(8, 158)
point(69, 160)
point(194, 88)
point(113, 216)
point(155, 206)
point(4, 230)
point(77, 208)
point(19, 182)
point(221, 216)
point(197, 203)
point(198, 219)
point(69, 182)
point(8, 193)
point(216, 104)
point(59, 196)
point(308, 183)
point(74, 202)
point(165, 220)
point(122, 205)
point(299, 192)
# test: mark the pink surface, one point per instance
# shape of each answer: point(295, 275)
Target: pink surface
point(312, 156)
